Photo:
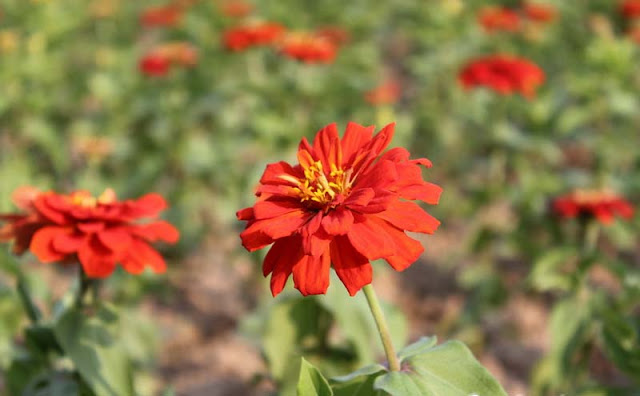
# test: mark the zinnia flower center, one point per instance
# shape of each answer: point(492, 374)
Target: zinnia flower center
point(86, 200)
point(321, 189)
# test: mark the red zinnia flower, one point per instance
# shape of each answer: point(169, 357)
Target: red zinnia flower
point(97, 232)
point(504, 74)
point(495, 19)
point(630, 9)
point(154, 64)
point(236, 8)
point(343, 205)
point(159, 16)
point(253, 34)
point(539, 12)
point(386, 93)
point(600, 204)
point(308, 47)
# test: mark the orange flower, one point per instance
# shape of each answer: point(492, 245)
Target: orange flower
point(504, 74)
point(308, 47)
point(236, 8)
point(494, 19)
point(539, 12)
point(630, 9)
point(167, 15)
point(602, 205)
point(343, 205)
point(252, 34)
point(97, 232)
point(386, 93)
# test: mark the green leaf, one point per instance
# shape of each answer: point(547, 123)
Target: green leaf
point(54, 383)
point(448, 369)
point(358, 383)
point(92, 343)
point(547, 274)
point(311, 382)
point(418, 347)
point(622, 343)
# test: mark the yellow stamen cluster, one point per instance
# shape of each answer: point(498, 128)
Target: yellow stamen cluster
point(85, 200)
point(321, 188)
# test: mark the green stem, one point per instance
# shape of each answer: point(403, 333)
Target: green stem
point(25, 297)
point(85, 283)
point(383, 329)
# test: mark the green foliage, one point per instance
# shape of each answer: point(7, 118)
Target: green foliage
point(311, 382)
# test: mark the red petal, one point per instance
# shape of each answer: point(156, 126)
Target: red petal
point(46, 205)
point(245, 214)
point(409, 216)
point(383, 175)
point(408, 250)
point(91, 227)
point(360, 197)
point(314, 240)
point(326, 146)
point(338, 221)
point(157, 231)
point(427, 192)
point(274, 172)
point(275, 228)
point(280, 260)
point(140, 255)
point(271, 208)
point(68, 243)
point(42, 243)
point(353, 269)
point(148, 205)
point(96, 259)
point(368, 237)
point(311, 274)
point(355, 137)
point(116, 239)
point(24, 196)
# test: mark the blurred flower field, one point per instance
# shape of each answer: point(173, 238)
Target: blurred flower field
point(170, 111)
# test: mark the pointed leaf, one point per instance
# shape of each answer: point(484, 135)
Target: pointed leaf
point(311, 382)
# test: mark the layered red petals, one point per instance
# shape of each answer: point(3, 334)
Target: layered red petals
point(97, 232)
point(604, 205)
point(341, 206)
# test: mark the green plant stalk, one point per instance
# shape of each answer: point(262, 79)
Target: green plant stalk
point(84, 285)
point(25, 297)
point(383, 328)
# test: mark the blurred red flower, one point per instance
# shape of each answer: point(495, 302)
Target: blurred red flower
point(602, 205)
point(158, 61)
point(630, 9)
point(386, 93)
point(154, 64)
point(634, 34)
point(252, 34)
point(504, 74)
point(539, 12)
point(161, 16)
point(494, 18)
point(308, 47)
point(236, 8)
point(97, 232)
point(343, 205)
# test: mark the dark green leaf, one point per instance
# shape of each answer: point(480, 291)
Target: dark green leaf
point(311, 382)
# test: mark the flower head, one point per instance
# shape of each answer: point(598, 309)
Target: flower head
point(158, 61)
point(542, 13)
point(494, 19)
point(630, 9)
point(161, 16)
point(97, 232)
point(252, 34)
point(309, 47)
point(602, 205)
point(385, 93)
point(345, 203)
point(504, 74)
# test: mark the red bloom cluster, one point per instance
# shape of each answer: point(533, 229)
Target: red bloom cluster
point(308, 47)
point(542, 13)
point(600, 204)
point(252, 34)
point(386, 93)
point(97, 232)
point(630, 9)
point(158, 61)
point(343, 205)
point(495, 19)
point(161, 16)
point(504, 74)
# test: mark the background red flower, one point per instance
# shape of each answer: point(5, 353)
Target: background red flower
point(97, 232)
point(603, 205)
point(253, 34)
point(308, 47)
point(494, 19)
point(504, 74)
